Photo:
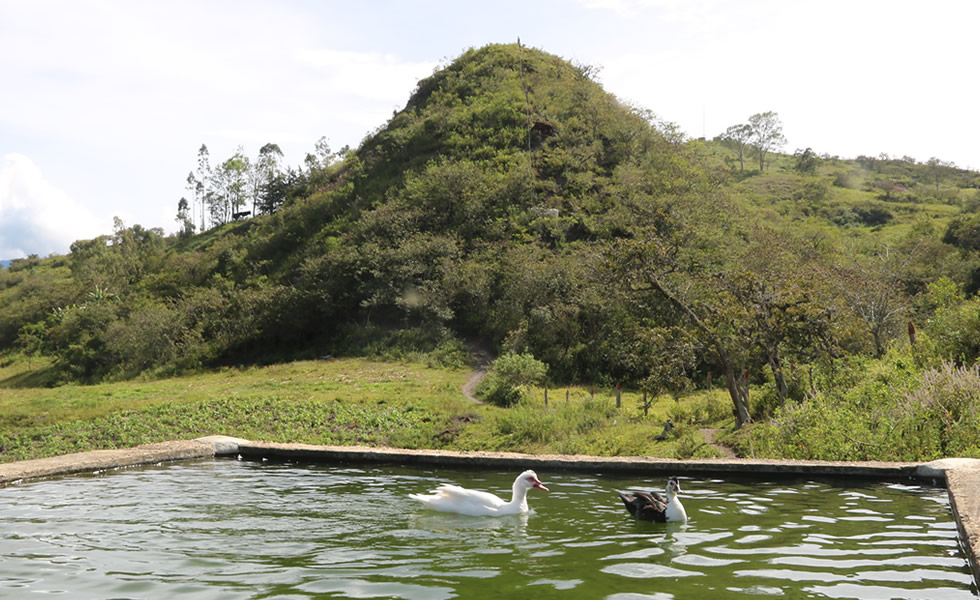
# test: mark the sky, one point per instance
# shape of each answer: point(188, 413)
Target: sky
point(105, 103)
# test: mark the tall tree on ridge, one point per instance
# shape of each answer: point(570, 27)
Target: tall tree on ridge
point(203, 177)
point(230, 185)
point(738, 138)
point(767, 135)
point(264, 174)
point(184, 217)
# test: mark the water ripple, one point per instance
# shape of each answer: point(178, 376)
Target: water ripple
point(238, 530)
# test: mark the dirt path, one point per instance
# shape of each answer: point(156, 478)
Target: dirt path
point(483, 357)
point(709, 438)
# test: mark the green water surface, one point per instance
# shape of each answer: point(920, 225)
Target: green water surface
point(230, 530)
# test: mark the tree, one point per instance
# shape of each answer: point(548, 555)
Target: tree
point(806, 161)
point(264, 173)
point(938, 170)
point(201, 194)
point(872, 287)
point(738, 138)
point(746, 292)
point(767, 135)
point(730, 353)
point(184, 218)
point(674, 254)
point(964, 233)
point(30, 338)
point(230, 185)
point(196, 188)
point(669, 353)
point(775, 282)
point(322, 157)
point(274, 191)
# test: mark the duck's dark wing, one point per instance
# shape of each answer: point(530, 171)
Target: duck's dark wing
point(646, 506)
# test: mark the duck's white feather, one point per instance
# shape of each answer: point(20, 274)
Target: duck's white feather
point(453, 498)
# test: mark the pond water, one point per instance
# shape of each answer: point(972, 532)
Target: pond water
point(230, 529)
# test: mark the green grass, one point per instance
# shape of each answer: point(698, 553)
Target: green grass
point(340, 402)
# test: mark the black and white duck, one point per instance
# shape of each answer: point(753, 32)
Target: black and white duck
point(651, 506)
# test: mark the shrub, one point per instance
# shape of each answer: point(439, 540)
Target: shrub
point(510, 377)
point(766, 400)
point(893, 412)
point(846, 180)
point(703, 411)
point(941, 417)
point(451, 353)
point(147, 338)
point(953, 332)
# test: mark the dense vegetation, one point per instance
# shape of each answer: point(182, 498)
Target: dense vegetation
point(515, 203)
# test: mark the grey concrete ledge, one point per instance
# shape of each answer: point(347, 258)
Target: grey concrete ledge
point(619, 464)
point(961, 476)
point(100, 460)
point(964, 496)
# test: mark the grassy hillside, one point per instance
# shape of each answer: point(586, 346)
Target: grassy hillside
point(344, 402)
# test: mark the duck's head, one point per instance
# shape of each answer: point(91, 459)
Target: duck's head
point(529, 479)
point(673, 486)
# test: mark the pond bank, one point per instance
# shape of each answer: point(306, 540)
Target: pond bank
point(960, 476)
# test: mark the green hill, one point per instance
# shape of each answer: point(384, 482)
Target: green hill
point(515, 202)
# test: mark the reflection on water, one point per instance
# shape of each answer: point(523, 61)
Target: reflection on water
point(228, 529)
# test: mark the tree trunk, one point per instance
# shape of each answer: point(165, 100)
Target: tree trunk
point(776, 365)
point(738, 389)
point(879, 339)
point(738, 385)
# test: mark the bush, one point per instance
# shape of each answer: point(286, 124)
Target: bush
point(510, 378)
point(953, 332)
point(147, 338)
point(941, 417)
point(766, 400)
point(893, 412)
point(703, 411)
point(846, 180)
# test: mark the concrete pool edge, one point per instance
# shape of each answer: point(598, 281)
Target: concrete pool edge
point(960, 475)
point(100, 460)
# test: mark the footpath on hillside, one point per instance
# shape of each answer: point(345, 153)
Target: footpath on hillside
point(482, 356)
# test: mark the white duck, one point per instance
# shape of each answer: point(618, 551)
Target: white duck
point(650, 506)
point(453, 498)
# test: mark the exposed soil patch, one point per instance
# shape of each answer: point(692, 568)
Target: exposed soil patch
point(456, 425)
point(709, 438)
point(482, 356)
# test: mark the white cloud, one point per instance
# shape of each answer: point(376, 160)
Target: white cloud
point(35, 216)
point(115, 98)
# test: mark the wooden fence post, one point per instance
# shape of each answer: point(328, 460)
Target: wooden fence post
point(619, 391)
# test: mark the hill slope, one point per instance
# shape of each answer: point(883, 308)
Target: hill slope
point(515, 200)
